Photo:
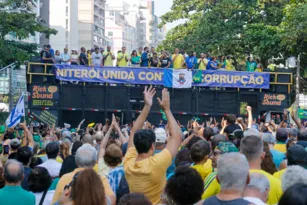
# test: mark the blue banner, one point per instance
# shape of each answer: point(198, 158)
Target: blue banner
point(154, 76)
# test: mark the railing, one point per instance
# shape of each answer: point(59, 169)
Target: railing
point(274, 75)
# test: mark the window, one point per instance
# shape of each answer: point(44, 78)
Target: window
point(111, 13)
point(66, 23)
point(95, 39)
point(66, 34)
point(110, 33)
point(100, 41)
point(66, 11)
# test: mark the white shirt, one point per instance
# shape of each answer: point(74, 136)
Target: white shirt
point(254, 200)
point(65, 57)
point(96, 59)
point(48, 197)
point(52, 166)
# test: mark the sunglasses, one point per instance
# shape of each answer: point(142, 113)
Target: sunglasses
point(72, 181)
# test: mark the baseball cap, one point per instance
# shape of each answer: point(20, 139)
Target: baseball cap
point(160, 135)
point(251, 132)
point(227, 147)
point(269, 138)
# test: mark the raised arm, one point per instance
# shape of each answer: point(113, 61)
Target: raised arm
point(175, 139)
point(298, 124)
point(28, 133)
point(105, 140)
point(250, 116)
point(148, 96)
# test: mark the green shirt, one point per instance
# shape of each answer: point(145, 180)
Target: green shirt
point(12, 195)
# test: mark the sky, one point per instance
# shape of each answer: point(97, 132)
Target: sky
point(163, 6)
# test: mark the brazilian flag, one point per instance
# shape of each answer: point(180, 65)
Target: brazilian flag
point(302, 114)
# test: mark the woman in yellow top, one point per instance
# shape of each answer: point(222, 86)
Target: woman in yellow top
point(259, 68)
point(89, 57)
point(229, 65)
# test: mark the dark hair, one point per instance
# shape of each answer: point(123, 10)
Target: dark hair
point(145, 48)
point(267, 163)
point(52, 150)
point(24, 155)
point(297, 155)
point(96, 48)
point(39, 180)
point(143, 140)
point(183, 158)
point(302, 135)
point(48, 46)
point(134, 199)
point(199, 151)
point(208, 133)
point(231, 119)
point(134, 51)
point(292, 132)
point(193, 141)
point(184, 187)
point(90, 185)
point(282, 135)
point(217, 139)
point(75, 147)
point(296, 194)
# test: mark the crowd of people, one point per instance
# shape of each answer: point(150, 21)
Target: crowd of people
point(235, 161)
point(145, 57)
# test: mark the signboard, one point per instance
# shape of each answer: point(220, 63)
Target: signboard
point(154, 76)
point(270, 99)
point(48, 117)
point(44, 95)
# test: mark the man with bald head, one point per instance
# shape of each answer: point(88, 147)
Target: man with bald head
point(13, 175)
point(65, 57)
point(98, 138)
point(88, 139)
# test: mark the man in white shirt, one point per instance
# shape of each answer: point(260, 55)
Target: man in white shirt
point(257, 190)
point(65, 57)
point(97, 58)
point(53, 167)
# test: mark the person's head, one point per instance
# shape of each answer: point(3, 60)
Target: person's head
point(48, 47)
point(232, 171)
point(13, 172)
point(134, 199)
point(202, 55)
point(98, 136)
point(213, 58)
point(24, 155)
point(65, 149)
point(140, 49)
point(83, 50)
point(297, 155)
point(183, 158)
point(193, 141)
point(293, 175)
point(14, 144)
point(184, 187)
point(152, 49)
point(57, 52)
point(200, 152)
point(302, 135)
point(260, 66)
point(123, 49)
point(216, 139)
point(292, 133)
point(208, 133)
point(194, 54)
point(220, 149)
point(88, 183)
point(155, 54)
point(269, 138)
point(52, 150)
point(282, 135)
point(144, 141)
point(231, 119)
point(97, 50)
point(222, 58)
point(39, 180)
point(89, 52)
point(113, 155)
point(134, 53)
point(164, 54)
point(146, 49)
point(108, 48)
point(250, 59)
point(176, 50)
point(191, 53)
point(75, 147)
point(252, 148)
point(161, 138)
point(88, 139)
point(294, 195)
point(258, 187)
point(86, 156)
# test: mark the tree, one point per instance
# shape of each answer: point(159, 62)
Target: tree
point(18, 21)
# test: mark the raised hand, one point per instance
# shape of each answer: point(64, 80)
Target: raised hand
point(165, 102)
point(148, 95)
point(249, 108)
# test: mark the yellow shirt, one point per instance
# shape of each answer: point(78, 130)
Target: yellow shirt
point(202, 64)
point(229, 65)
point(275, 187)
point(67, 178)
point(279, 174)
point(178, 61)
point(108, 61)
point(147, 176)
point(281, 147)
point(89, 57)
point(122, 62)
point(204, 169)
point(274, 194)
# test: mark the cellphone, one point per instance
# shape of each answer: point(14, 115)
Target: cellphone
point(6, 149)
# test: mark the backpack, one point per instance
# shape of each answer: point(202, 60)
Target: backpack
point(123, 188)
